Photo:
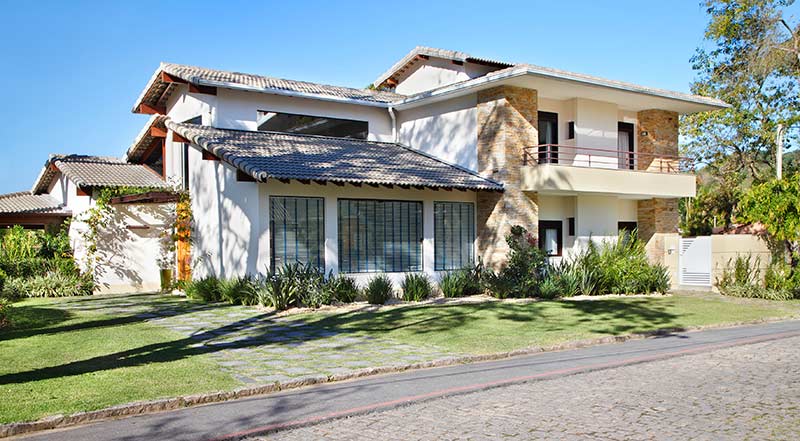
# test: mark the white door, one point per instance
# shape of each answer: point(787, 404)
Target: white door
point(695, 261)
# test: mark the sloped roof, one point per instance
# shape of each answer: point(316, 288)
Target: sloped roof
point(273, 155)
point(24, 202)
point(97, 171)
point(145, 138)
point(424, 51)
point(158, 91)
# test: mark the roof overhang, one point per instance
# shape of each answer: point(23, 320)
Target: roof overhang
point(556, 84)
point(150, 136)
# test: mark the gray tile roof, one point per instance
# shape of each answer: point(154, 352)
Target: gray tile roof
point(144, 140)
point(97, 171)
point(27, 203)
point(157, 91)
point(272, 155)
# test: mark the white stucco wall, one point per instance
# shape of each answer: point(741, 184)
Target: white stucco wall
point(596, 128)
point(436, 72)
point(129, 246)
point(226, 230)
point(596, 217)
point(238, 110)
point(447, 130)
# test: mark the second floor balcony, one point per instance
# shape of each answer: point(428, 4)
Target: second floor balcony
point(564, 169)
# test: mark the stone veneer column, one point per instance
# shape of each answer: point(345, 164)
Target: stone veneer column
point(507, 123)
point(657, 217)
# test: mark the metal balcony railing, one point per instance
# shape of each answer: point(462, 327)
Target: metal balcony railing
point(605, 158)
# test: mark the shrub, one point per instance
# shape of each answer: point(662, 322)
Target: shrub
point(525, 269)
point(619, 266)
point(206, 289)
point(742, 278)
point(549, 288)
point(29, 267)
point(51, 284)
point(416, 287)
point(236, 290)
point(5, 306)
point(2, 281)
point(276, 290)
point(344, 288)
point(19, 243)
point(463, 282)
point(379, 289)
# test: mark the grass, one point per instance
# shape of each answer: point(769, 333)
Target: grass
point(498, 327)
point(54, 361)
point(58, 360)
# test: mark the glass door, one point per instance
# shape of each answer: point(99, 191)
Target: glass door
point(627, 159)
point(548, 138)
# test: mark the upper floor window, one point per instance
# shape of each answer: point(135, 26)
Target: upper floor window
point(311, 125)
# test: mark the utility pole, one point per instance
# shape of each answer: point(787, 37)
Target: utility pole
point(779, 152)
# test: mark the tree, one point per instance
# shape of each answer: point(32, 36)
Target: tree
point(776, 204)
point(751, 61)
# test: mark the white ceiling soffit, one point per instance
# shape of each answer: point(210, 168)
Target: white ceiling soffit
point(561, 86)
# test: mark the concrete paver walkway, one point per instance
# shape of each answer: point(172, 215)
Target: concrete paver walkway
point(257, 347)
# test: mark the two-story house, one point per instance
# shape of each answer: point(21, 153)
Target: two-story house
point(426, 171)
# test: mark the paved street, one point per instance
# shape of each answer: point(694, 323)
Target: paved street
point(747, 392)
point(737, 383)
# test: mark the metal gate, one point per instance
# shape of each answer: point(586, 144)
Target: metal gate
point(695, 261)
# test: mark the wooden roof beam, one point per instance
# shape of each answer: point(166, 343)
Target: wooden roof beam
point(152, 110)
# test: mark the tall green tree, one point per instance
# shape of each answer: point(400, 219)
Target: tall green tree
point(751, 60)
point(776, 205)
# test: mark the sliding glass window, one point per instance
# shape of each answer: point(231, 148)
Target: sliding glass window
point(454, 235)
point(380, 236)
point(298, 230)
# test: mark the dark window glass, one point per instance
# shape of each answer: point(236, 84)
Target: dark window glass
point(571, 226)
point(311, 125)
point(551, 237)
point(380, 236)
point(297, 227)
point(454, 235)
point(548, 134)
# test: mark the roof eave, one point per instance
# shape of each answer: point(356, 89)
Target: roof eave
point(490, 79)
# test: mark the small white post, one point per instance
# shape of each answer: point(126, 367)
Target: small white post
point(779, 152)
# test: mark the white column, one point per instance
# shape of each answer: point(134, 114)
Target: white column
point(331, 235)
point(427, 241)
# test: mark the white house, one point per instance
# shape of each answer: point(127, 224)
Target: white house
point(426, 172)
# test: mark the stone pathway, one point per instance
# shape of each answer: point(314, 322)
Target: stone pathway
point(749, 392)
point(256, 347)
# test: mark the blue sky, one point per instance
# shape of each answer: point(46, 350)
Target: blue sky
point(71, 72)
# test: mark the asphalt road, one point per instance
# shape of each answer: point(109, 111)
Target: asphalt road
point(259, 415)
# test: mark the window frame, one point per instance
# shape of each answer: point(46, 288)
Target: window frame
point(340, 239)
point(365, 122)
point(629, 129)
point(544, 157)
point(320, 233)
point(472, 233)
point(559, 227)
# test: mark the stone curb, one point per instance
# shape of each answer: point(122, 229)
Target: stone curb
point(154, 406)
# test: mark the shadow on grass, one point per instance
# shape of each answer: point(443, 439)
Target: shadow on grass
point(35, 320)
point(598, 316)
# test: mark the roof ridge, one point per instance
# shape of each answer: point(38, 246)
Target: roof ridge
point(235, 72)
point(303, 135)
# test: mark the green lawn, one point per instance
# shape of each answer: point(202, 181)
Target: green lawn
point(54, 361)
point(497, 327)
point(59, 359)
